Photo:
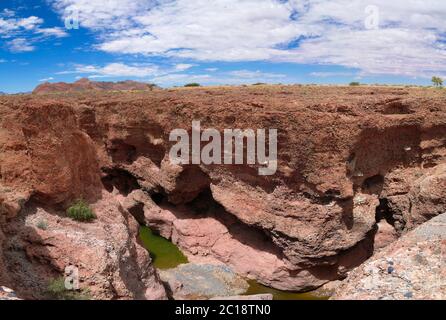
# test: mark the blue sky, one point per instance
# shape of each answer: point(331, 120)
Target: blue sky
point(173, 42)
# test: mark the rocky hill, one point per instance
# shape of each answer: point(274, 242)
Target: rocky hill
point(349, 159)
point(88, 85)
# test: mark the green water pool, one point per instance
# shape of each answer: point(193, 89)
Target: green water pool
point(257, 288)
point(166, 255)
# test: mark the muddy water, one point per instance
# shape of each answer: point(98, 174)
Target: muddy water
point(166, 255)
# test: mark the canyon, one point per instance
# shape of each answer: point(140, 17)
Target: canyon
point(357, 168)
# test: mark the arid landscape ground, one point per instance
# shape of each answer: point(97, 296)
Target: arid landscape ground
point(359, 170)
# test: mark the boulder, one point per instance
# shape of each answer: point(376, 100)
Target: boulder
point(202, 281)
point(412, 268)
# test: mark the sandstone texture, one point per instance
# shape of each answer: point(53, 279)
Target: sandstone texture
point(348, 160)
point(413, 268)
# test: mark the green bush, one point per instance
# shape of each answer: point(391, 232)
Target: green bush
point(354, 84)
point(81, 211)
point(56, 290)
point(194, 84)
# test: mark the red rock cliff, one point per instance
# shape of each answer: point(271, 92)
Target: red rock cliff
point(348, 158)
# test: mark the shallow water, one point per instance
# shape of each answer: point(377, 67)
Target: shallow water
point(257, 288)
point(166, 255)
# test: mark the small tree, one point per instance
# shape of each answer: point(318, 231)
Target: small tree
point(193, 84)
point(437, 81)
point(354, 84)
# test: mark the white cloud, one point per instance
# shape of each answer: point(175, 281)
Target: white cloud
point(410, 39)
point(103, 14)
point(29, 23)
point(223, 29)
point(22, 33)
point(180, 78)
point(20, 45)
point(136, 70)
point(208, 30)
point(248, 74)
point(10, 26)
point(332, 74)
point(183, 66)
point(55, 32)
point(46, 79)
point(115, 70)
point(7, 13)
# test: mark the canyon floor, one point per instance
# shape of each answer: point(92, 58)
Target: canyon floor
point(359, 168)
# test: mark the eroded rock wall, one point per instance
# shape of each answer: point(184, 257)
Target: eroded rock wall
point(47, 162)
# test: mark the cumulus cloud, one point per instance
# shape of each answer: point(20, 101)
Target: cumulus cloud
point(332, 74)
point(183, 66)
point(115, 70)
point(409, 39)
point(20, 45)
point(221, 30)
point(10, 26)
point(103, 14)
point(52, 32)
point(22, 33)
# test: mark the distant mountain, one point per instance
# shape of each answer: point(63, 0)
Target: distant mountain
point(2, 93)
point(85, 84)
